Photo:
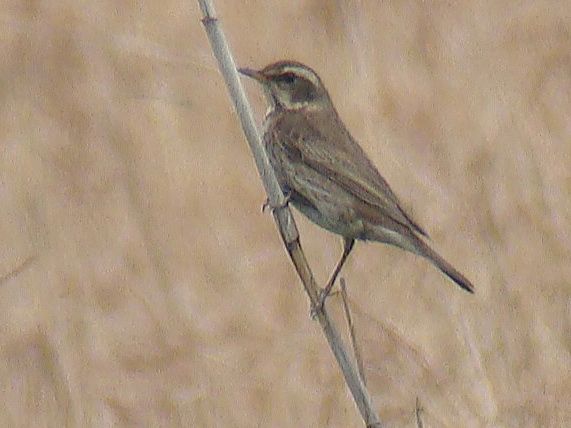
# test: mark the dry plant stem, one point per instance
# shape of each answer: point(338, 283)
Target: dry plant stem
point(282, 215)
point(351, 325)
point(18, 269)
point(418, 411)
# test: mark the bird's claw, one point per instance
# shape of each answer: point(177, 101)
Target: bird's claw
point(284, 204)
point(318, 307)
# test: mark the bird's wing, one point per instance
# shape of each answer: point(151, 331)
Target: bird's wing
point(339, 158)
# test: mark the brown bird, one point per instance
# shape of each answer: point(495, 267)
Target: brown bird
point(325, 173)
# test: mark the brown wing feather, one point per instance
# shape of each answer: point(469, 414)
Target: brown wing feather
point(338, 157)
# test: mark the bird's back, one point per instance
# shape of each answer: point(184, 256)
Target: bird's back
point(321, 140)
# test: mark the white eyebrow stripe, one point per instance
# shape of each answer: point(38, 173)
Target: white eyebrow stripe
point(303, 72)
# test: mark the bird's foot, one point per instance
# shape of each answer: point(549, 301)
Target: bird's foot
point(318, 307)
point(266, 204)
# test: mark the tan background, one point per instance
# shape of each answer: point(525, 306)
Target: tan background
point(141, 286)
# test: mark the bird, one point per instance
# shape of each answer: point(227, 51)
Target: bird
point(326, 174)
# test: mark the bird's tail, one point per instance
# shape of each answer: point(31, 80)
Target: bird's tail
point(405, 238)
point(444, 266)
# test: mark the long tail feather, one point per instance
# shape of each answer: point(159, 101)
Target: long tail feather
point(445, 267)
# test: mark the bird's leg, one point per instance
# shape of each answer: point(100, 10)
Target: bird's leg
point(266, 204)
point(347, 247)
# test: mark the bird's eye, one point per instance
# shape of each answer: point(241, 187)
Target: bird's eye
point(287, 78)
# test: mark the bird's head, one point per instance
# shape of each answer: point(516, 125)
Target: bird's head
point(290, 85)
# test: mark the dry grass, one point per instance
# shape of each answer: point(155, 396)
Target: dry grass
point(141, 286)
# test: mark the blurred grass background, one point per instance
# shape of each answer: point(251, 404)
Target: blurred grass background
point(141, 286)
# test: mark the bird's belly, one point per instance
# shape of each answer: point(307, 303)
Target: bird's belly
point(316, 196)
point(333, 220)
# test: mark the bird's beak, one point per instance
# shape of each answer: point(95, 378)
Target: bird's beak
point(254, 74)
